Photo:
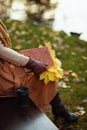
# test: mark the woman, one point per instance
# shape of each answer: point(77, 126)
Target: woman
point(13, 74)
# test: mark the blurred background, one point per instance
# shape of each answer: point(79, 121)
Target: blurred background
point(38, 10)
point(66, 15)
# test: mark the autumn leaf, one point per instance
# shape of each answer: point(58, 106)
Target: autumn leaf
point(84, 57)
point(18, 47)
point(81, 111)
point(62, 84)
point(53, 73)
point(73, 74)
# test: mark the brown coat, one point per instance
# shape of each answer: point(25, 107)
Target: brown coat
point(11, 77)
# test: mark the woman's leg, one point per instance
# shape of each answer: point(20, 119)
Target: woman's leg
point(59, 110)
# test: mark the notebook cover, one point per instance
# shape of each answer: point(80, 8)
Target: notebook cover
point(41, 54)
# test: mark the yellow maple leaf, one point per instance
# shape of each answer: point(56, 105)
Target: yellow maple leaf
point(54, 72)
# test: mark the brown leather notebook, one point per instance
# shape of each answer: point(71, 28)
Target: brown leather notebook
point(41, 54)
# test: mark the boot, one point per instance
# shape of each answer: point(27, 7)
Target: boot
point(59, 110)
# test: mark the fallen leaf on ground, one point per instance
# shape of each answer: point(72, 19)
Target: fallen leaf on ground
point(18, 47)
point(84, 57)
point(62, 84)
point(85, 100)
point(80, 108)
point(81, 111)
point(73, 74)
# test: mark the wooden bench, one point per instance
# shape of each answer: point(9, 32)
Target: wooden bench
point(15, 117)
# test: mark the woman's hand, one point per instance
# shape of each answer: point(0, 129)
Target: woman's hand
point(36, 66)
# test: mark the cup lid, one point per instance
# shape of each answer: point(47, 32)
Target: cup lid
point(22, 90)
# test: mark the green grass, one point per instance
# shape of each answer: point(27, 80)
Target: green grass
point(71, 51)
